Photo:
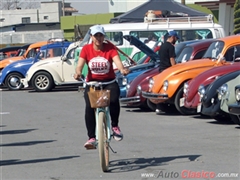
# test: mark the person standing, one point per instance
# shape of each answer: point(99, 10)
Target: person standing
point(167, 51)
point(99, 56)
point(167, 56)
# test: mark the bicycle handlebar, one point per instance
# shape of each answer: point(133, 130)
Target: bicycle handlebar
point(96, 83)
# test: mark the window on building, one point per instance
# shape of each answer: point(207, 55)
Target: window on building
point(45, 17)
point(26, 20)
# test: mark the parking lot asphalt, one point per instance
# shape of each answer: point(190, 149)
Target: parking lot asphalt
point(42, 137)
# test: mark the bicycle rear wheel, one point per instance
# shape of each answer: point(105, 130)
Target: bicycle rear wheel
point(103, 144)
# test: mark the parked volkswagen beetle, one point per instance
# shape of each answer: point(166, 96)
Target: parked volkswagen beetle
point(191, 98)
point(229, 96)
point(210, 101)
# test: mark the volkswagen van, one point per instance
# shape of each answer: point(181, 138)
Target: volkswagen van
point(188, 28)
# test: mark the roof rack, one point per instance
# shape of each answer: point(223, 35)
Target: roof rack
point(53, 40)
point(190, 20)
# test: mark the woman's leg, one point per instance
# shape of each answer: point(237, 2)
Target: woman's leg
point(89, 116)
point(114, 103)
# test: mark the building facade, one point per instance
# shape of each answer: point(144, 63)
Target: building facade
point(32, 25)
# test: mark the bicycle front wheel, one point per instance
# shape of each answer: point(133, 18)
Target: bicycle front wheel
point(103, 144)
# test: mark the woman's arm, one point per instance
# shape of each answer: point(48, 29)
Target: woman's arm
point(118, 62)
point(79, 68)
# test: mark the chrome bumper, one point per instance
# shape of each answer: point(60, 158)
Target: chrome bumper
point(134, 99)
point(24, 82)
point(150, 95)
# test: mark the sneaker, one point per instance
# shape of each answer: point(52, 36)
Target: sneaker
point(117, 134)
point(90, 144)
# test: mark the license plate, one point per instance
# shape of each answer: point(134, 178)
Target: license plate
point(199, 107)
point(24, 82)
point(182, 100)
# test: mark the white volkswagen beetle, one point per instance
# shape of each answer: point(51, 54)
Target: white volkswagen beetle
point(58, 71)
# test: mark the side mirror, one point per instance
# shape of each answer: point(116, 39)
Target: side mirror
point(63, 58)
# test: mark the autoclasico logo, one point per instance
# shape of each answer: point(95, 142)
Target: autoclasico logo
point(185, 174)
point(197, 174)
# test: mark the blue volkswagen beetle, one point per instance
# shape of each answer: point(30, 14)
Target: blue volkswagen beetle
point(11, 75)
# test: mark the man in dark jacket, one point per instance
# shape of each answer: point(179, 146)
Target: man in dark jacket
point(167, 51)
point(167, 55)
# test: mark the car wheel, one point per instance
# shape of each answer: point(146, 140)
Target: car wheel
point(42, 82)
point(235, 118)
point(144, 106)
point(222, 119)
point(13, 81)
point(183, 110)
point(167, 108)
point(151, 105)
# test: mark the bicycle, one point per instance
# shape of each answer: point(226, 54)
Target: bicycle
point(103, 124)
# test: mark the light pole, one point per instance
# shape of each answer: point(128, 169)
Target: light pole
point(183, 2)
point(63, 7)
point(10, 39)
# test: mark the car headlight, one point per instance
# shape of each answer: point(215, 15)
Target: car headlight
point(124, 81)
point(237, 94)
point(201, 90)
point(185, 87)
point(150, 83)
point(222, 91)
point(165, 85)
point(127, 87)
point(139, 89)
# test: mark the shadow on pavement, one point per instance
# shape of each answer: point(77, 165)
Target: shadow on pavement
point(227, 122)
point(125, 165)
point(57, 89)
point(28, 143)
point(16, 131)
point(33, 161)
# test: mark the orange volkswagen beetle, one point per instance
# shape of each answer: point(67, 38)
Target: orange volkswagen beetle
point(30, 52)
point(166, 88)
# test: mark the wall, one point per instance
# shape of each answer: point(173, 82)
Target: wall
point(29, 37)
point(85, 21)
point(52, 10)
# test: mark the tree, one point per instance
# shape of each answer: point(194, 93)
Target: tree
point(236, 17)
point(19, 4)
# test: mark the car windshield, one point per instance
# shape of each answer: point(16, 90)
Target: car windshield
point(185, 55)
point(20, 52)
point(214, 50)
point(178, 48)
point(3, 56)
point(51, 52)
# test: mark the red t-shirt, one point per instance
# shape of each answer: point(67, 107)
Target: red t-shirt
point(99, 63)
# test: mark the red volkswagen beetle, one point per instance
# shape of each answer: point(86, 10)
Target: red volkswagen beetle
point(191, 96)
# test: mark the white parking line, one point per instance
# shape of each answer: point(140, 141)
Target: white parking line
point(4, 112)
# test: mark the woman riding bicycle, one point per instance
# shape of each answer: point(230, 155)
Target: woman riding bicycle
point(99, 57)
